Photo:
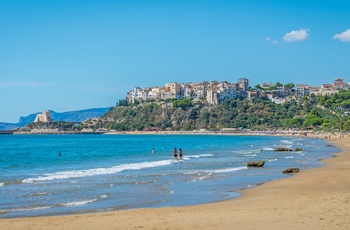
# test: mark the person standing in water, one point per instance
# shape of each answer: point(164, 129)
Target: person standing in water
point(153, 151)
point(175, 154)
point(180, 154)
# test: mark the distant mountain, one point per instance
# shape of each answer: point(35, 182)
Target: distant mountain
point(78, 116)
point(8, 126)
point(71, 116)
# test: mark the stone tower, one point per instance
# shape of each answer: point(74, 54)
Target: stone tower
point(44, 117)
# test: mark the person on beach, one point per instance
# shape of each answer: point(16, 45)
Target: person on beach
point(175, 154)
point(180, 154)
point(153, 151)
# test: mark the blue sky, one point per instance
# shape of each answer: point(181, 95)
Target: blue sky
point(71, 55)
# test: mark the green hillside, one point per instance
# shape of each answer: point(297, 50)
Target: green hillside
point(321, 112)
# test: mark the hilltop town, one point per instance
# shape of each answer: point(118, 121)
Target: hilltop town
point(216, 92)
point(218, 106)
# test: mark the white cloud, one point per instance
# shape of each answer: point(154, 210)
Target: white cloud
point(344, 36)
point(268, 39)
point(296, 35)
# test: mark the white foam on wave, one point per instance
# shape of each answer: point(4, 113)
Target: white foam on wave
point(272, 160)
point(247, 151)
point(286, 142)
point(201, 178)
point(198, 175)
point(78, 203)
point(97, 171)
point(289, 157)
point(267, 149)
point(2, 184)
point(25, 209)
point(251, 155)
point(228, 169)
point(199, 155)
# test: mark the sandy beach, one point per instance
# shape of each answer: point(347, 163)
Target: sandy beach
point(312, 199)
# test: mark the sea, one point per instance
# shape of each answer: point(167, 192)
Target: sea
point(99, 173)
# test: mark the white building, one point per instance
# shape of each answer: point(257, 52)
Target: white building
point(301, 90)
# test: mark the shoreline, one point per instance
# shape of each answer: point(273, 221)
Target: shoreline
point(316, 198)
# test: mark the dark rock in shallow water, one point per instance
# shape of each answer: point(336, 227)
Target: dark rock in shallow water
point(298, 149)
point(283, 149)
point(256, 164)
point(291, 170)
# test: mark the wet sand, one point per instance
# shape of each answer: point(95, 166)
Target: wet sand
point(312, 199)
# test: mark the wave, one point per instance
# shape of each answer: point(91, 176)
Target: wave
point(83, 202)
point(5, 183)
point(97, 171)
point(200, 178)
point(286, 142)
point(289, 157)
point(228, 169)
point(38, 194)
point(106, 171)
point(144, 182)
point(267, 149)
point(199, 155)
point(204, 174)
point(25, 209)
point(247, 151)
point(272, 160)
point(78, 203)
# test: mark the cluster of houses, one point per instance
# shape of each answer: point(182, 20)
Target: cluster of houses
point(324, 89)
point(216, 92)
point(213, 92)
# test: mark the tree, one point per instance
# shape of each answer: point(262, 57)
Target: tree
point(257, 87)
point(313, 120)
point(278, 84)
point(122, 102)
point(290, 85)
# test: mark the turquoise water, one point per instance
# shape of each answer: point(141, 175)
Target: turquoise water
point(112, 172)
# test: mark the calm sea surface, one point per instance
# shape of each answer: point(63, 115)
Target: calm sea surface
point(113, 172)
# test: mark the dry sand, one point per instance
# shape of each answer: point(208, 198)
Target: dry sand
point(312, 199)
